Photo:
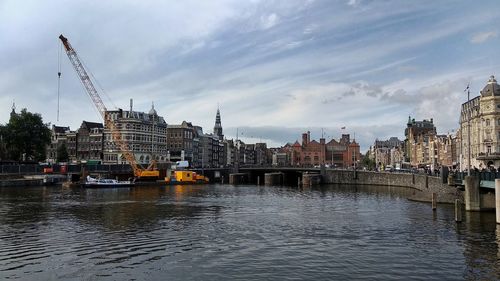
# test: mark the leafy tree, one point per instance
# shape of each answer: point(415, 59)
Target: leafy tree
point(27, 135)
point(62, 153)
point(367, 162)
point(3, 148)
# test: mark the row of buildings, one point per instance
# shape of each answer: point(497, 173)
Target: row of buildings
point(422, 148)
point(476, 144)
point(148, 137)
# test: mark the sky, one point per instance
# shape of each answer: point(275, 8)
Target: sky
point(275, 69)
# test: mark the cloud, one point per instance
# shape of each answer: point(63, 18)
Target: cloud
point(353, 3)
point(270, 64)
point(482, 37)
point(268, 21)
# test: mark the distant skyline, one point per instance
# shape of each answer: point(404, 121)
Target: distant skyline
point(275, 68)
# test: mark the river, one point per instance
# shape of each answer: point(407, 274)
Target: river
point(247, 232)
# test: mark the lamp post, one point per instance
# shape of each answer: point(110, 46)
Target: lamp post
point(468, 129)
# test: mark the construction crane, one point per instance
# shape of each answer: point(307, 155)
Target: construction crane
point(150, 172)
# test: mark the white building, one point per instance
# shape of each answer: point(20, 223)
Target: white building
point(483, 113)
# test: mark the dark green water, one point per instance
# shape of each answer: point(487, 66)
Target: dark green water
point(219, 232)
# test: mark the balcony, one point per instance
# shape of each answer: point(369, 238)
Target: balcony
point(488, 156)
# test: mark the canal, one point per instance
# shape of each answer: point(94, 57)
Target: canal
point(222, 232)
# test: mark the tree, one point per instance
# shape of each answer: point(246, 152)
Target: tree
point(3, 147)
point(62, 153)
point(368, 162)
point(26, 136)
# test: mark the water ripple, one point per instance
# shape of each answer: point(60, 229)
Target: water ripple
point(239, 233)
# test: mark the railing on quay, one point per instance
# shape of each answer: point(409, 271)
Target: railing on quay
point(482, 175)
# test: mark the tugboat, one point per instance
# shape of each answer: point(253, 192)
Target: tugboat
point(100, 183)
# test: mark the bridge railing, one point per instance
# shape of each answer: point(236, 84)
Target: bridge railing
point(482, 175)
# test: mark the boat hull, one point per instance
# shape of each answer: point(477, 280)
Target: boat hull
point(110, 185)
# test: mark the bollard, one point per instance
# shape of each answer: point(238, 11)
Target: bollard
point(497, 199)
point(458, 211)
point(258, 180)
point(222, 180)
point(434, 199)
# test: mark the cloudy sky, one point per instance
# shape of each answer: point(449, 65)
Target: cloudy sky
point(274, 68)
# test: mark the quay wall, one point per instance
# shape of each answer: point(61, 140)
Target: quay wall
point(422, 185)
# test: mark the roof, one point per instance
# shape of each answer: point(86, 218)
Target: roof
point(90, 125)
point(60, 129)
point(491, 89)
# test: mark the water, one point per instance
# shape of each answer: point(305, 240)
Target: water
point(219, 232)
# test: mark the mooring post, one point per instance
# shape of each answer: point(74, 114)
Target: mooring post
point(434, 200)
point(222, 180)
point(458, 211)
point(497, 199)
point(258, 180)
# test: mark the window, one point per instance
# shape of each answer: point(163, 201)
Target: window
point(487, 122)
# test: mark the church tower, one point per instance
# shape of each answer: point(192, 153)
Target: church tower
point(218, 126)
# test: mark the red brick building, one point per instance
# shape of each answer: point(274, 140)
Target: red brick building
point(342, 153)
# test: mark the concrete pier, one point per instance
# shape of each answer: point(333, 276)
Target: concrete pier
point(273, 178)
point(237, 178)
point(471, 194)
point(309, 180)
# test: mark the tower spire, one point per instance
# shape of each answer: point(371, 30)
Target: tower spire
point(218, 125)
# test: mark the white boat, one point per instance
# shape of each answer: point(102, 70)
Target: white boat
point(99, 183)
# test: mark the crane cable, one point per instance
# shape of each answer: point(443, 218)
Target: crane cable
point(59, 78)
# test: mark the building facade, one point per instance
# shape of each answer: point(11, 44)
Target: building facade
point(181, 142)
point(90, 140)
point(58, 138)
point(418, 135)
point(480, 128)
point(144, 133)
point(342, 154)
point(388, 153)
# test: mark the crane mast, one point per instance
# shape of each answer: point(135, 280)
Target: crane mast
point(96, 99)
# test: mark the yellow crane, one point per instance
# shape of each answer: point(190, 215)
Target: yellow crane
point(150, 172)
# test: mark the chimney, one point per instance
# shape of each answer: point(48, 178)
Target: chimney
point(131, 104)
point(304, 139)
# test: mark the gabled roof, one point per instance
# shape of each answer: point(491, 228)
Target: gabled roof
point(91, 125)
point(333, 142)
point(60, 129)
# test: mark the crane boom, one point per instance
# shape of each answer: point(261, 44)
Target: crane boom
point(96, 99)
point(84, 77)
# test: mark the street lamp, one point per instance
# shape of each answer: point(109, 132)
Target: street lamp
point(468, 128)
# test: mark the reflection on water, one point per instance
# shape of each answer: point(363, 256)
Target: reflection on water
point(215, 232)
